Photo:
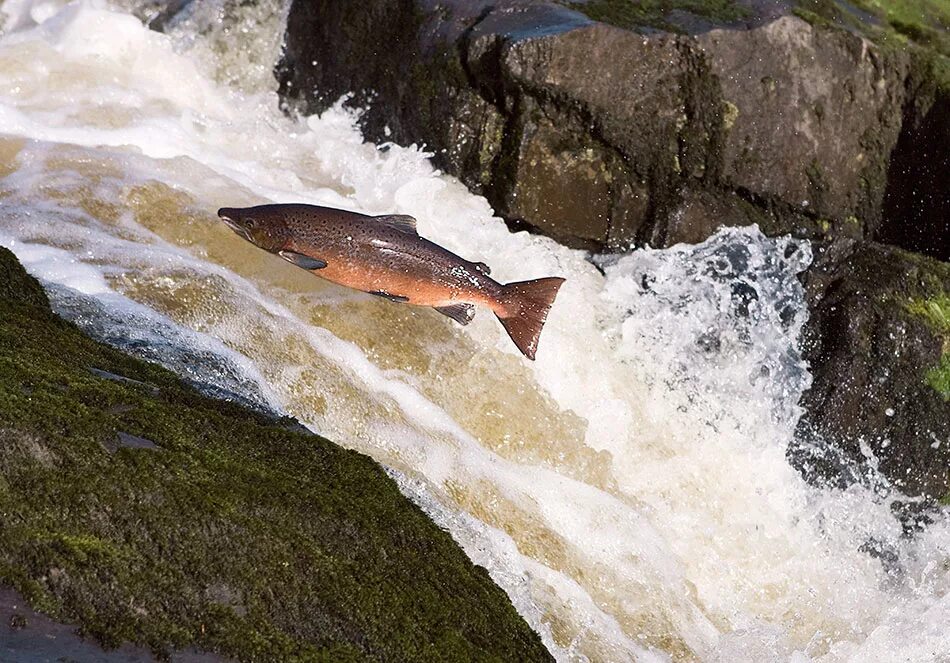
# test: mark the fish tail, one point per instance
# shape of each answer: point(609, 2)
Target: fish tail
point(524, 308)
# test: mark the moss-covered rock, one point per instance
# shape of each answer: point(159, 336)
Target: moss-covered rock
point(16, 285)
point(878, 340)
point(145, 512)
point(924, 22)
point(934, 308)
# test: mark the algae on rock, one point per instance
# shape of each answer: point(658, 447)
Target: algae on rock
point(936, 311)
point(233, 533)
point(878, 328)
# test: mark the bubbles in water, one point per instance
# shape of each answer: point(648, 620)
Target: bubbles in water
point(727, 315)
point(239, 40)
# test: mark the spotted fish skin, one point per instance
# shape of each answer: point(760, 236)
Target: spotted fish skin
point(385, 256)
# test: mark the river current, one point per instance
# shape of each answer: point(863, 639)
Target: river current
point(629, 490)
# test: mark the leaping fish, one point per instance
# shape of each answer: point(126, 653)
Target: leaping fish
point(385, 256)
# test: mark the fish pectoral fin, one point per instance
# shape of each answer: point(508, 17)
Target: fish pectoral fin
point(386, 295)
point(302, 261)
point(401, 222)
point(461, 313)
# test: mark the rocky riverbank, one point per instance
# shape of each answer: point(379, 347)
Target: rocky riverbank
point(610, 124)
point(643, 128)
point(143, 512)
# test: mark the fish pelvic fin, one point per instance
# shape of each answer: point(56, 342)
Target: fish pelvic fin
point(525, 305)
point(393, 298)
point(302, 261)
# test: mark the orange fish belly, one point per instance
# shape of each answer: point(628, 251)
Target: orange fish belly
point(417, 290)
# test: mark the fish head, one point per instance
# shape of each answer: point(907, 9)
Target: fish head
point(263, 226)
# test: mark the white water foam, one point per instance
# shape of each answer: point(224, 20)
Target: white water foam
point(629, 490)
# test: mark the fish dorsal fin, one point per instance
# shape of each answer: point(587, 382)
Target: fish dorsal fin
point(461, 313)
point(401, 222)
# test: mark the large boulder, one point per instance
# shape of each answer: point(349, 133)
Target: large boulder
point(144, 512)
point(879, 336)
point(605, 135)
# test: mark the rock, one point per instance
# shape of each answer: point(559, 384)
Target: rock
point(601, 135)
point(699, 214)
point(157, 14)
point(240, 537)
point(27, 636)
point(878, 340)
point(16, 285)
point(917, 199)
point(124, 440)
point(814, 121)
point(120, 378)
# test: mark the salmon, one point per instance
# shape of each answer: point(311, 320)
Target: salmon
point(386, 256)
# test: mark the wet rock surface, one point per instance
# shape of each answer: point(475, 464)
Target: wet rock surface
point(879, 339)
point(156, 520)
point(599, 134)
point(27, 636)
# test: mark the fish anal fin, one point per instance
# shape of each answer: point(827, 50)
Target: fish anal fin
point(461, 313)
point(401, 222)
point(392, 298)
point(302, 261)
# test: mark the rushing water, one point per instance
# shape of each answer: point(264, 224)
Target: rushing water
point(629, 490)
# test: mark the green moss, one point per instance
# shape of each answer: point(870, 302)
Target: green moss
point(895, 22)
point(936, 311)
point(811, 17)
point(237, 535)
point(939, 377)
point(730, 113)
point(939, 70)
point(924, 21)
point(16, 285)
point(921, 27)
point(631, 14)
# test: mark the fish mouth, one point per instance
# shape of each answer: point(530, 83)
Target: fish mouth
point(223, 213)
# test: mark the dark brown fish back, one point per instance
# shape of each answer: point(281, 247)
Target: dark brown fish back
point(371, 239)
point(312, 221)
